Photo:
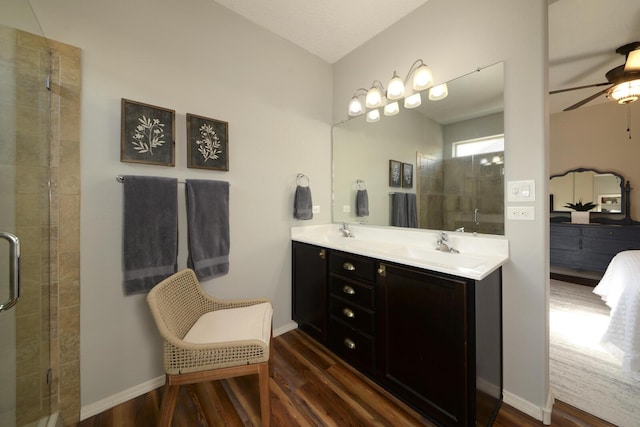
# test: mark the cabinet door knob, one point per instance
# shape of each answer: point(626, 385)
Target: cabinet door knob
point(322, 254)
point(348, 313)
point(348, 266)
point(348, 342)
point(348, 290)
point(382, 271)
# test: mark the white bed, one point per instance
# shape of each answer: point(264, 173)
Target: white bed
point(620, 290)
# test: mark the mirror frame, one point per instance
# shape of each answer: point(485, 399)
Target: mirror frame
point(598, 217)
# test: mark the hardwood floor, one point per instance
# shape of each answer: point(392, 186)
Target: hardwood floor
point(310, 387)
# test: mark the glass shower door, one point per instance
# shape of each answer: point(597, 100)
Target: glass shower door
point(24, 219)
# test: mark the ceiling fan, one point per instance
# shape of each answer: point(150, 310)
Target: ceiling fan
point(623, 81)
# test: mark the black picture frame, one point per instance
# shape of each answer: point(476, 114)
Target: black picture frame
point(395, 173)
point(147, 134)
point(407, 175)
point(207, 143)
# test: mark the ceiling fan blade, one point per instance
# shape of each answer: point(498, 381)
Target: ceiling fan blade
point(586, 100)
point(633, 61)
point(578, 87)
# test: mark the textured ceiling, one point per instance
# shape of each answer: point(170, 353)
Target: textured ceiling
point(329, 29)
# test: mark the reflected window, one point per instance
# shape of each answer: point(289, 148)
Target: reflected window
point(470, 147)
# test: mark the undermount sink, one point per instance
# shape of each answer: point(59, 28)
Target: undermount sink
point(434, 256)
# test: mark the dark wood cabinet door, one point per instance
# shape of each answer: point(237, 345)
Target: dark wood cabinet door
point(309, 299)
point(425, 344)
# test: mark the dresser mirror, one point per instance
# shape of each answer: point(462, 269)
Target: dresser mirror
point(453, 189)
point(605, 189)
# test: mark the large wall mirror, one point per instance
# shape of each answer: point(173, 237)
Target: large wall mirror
point(605, 189)
point(452, 150)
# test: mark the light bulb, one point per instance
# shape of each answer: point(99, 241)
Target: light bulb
point(422, 78)
point(412, 101)
point(438, 92)
point(373, 116)
point(395, 90)
point(391, 109)
point(355, 107)
point(374, 98)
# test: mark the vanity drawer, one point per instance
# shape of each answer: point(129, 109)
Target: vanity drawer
point(353, 346)
point(350, 265)
point(354, 292)
point(352, 315)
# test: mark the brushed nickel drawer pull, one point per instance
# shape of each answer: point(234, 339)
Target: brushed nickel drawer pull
point(348, 266)
point(348, 313)
point(348, 342)
point(348, 290)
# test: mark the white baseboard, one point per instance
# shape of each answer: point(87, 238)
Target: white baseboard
point(525, 406)
point(121, 397)
point(125, 395)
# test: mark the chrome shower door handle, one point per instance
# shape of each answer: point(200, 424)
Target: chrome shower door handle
point(14, 270)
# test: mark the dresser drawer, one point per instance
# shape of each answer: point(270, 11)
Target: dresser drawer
point(354, 292)
point(349, 265)
point(612, 233)
point(564, 230)
point(352, 315)
point(353, 346)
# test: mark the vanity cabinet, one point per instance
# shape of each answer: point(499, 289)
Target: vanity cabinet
point(590, 247)
point(309, 293)
point(433, 340)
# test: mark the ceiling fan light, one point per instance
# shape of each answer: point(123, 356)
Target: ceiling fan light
point(355, 107)
point(412, 101)
point(373, 116)
point(374, 98)
point(391, 109)
point(395, 89)
point(625, 92)
point(633, 61)
point(439, 92)
point(422, 78)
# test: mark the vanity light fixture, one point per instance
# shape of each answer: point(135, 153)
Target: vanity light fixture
point(625, 92)
point(373, 116)
point(439, 92)
point(391, 109)
point(377, 96)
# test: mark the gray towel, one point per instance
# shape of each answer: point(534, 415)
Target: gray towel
point(150, 232)
point(362, 203)
point(412, 211)
point(208, 227)
point(399, 209)
point(302, 205)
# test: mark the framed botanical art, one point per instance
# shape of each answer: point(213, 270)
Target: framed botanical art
point(407, 175)
point(207, 143)
point(395, 173)
point(148, 134)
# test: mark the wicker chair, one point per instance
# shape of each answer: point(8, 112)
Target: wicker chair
point(207, 339)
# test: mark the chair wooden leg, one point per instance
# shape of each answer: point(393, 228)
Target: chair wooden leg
point(265, 400)
point(168, 405)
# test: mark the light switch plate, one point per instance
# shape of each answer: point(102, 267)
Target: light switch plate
point(316, 209)
point(521, 191)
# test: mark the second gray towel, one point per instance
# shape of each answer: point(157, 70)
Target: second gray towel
point(412, 211)
point(399, 209)
point(208, 227)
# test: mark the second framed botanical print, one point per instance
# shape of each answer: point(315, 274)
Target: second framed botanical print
point(407, 175)
point(207, 143)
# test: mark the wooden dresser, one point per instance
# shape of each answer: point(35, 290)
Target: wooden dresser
point(590, 247)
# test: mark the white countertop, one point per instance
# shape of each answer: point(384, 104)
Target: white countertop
point(479, 255)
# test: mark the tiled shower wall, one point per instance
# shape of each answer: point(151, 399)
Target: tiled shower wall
point(48, 315)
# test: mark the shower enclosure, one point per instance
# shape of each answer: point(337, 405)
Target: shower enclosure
point(24, 227)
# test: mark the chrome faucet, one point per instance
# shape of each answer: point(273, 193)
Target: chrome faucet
point(460, 229)
point(345, 230)
point(442, 244)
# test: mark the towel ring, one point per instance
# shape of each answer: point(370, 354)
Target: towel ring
point(361, 184)
point(301, 178)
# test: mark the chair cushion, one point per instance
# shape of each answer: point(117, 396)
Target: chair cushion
point(233, 324)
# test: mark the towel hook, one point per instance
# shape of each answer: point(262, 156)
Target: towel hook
point(300, 180)
point(361, 184)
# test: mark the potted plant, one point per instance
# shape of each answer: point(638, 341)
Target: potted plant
point(580, 212)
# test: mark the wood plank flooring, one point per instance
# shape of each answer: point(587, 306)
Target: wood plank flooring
point(310, 387)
